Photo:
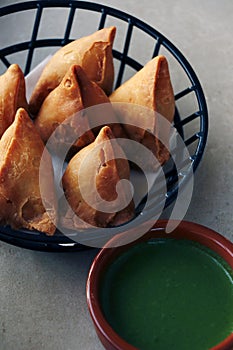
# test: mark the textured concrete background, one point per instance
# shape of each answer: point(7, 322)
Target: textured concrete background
point(42, 296)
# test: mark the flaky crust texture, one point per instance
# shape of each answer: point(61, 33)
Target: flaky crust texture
point(12, 93)
point(62, 106)
point(151, 88)
point(104, 176)
point(21, 149)
point(93, 53)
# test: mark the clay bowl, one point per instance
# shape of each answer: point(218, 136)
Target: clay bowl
point(186, 230)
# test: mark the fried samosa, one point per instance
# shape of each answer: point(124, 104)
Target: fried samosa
point(61, 106)
point(93, 176)
point(21, 182)
point(75, 93)
point(150, 88)
point(12, 95)
point(93, 53)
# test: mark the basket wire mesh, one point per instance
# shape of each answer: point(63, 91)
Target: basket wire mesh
point(195, 138)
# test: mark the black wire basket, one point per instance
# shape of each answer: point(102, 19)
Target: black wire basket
point(81, 18)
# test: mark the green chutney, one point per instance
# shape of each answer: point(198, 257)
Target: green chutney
point(169, 294)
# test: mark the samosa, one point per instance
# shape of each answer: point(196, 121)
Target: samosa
point(75, 93)
point(24, 175)
point(150, 88)
point(12, 95)
point(92, 177)
point(93, 53)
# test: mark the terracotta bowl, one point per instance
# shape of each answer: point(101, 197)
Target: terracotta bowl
point(186, 230)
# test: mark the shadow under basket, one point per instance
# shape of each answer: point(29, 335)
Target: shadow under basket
point(82, 18)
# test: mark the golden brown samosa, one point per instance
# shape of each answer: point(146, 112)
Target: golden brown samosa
point(95, 172)
point(150, 88)
point(12, 95)
point(93, 53)
point(75, 93)
point(21, 205)
point(62, 106)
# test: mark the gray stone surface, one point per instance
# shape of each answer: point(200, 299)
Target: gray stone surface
point(42, 296)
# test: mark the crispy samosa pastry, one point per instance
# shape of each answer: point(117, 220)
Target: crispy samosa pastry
point(90, 178)
point(21, 150)
point(93, 53)
point(12, 95)
point(75, 93)
point(61, 107)
point(151, 88)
